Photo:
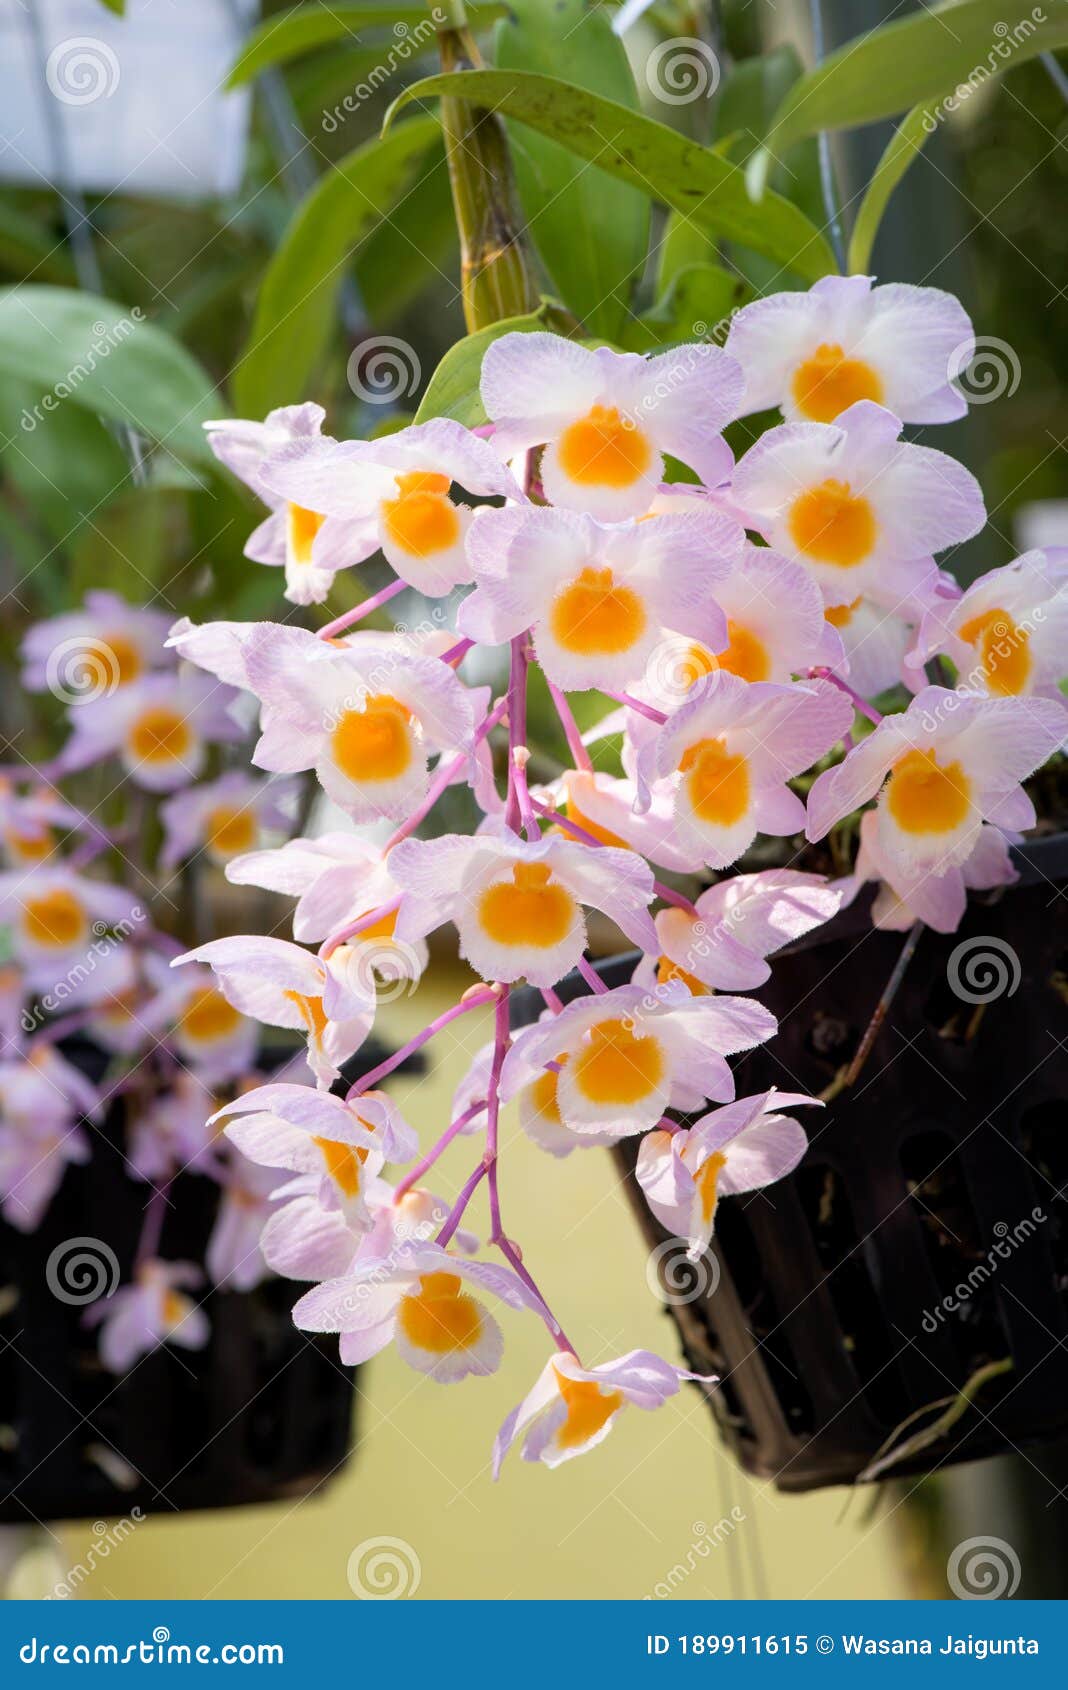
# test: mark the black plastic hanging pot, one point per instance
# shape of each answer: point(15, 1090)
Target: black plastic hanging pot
point(263, 1413)
point(920, 1250)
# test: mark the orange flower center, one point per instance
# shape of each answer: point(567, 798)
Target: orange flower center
point(618, 1066)
point(828, 382)
point(831, 524)
point(594, 615)
point(603, 449)
point(302, 527)
point(924, 797)
point(116, 657)
point(343, 1163)
point(375, 743)
point(529, 909)
point(841, 615)
point(746, 655)
point(707, 1183)
point(230, 830)
point(668, 970)
point(589, 1406)
point(208, 1016)
point(57, 919)
point(1004, 651)
point(422, 520)
point(440, 1317)
point(717, 782)
point(161, 735)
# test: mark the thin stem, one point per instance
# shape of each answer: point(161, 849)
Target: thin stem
point(456, 1127)
point(590, 975)
point(444, 776)
point(455, 1214)
point(646, 710)
point(478, 998)
point(152, 1231)
point(518, 814)
point(370, 918)
point(859, 703)
point(889, 993)
point(579, 754)
point(552, 1000)
point(456, 653)
point(359, 611)
point(557, 817)
point(823, 145)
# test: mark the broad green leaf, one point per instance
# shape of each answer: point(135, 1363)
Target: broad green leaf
point(681, 245)
point(591, 230)
point(681, 174)
point(453, 390)
point(64, 463)
point(303, 27)
point(697, 306)
point(116, 6)
point(916, 58)
point(77, 349)
point(295, 312)
point(410, 249)
point(27, 249)
point(905, 145)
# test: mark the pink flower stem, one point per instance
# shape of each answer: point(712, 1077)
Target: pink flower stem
point(63, 1027)
point(668, 893)
point(455, 1215)
point(579, 755)
point(413, 1175)
point(519, 814)
point(152, 1230)
point(590, 975)
point(552, 1000)
point(859, 703)
point(444, 777)
point(501, 1042)
point(456, 653)
point(646, 710)
point(370, 919)
point(359, 611)
point(476, 999)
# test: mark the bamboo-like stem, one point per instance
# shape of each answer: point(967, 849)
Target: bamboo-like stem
point(497, 272)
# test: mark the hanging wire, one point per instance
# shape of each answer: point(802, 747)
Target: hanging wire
point(823, 146)
point(79, 227)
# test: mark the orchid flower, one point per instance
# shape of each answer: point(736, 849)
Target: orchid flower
point(571, 1409)
point(43, 1097)
point(744, 1146)
point(606, 419)
point(393, 495)
point(224, 818)
point(853, 503)
point(154, 1310)
point(815, 354)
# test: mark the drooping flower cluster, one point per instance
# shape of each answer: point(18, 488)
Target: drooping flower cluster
point(737, 625)
point(88, 989)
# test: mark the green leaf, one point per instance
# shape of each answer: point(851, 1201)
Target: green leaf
point(682, 244)
point(295, 311)
point(696, 306)
point(905, 145)
point(591, 230)
point(663, 164)
point(26, 248)
point(453, 390)
point(956, 45)
point(413, 247)
point(80, 350)
point(303, 27)
point(116, 6)
point(64, 463)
